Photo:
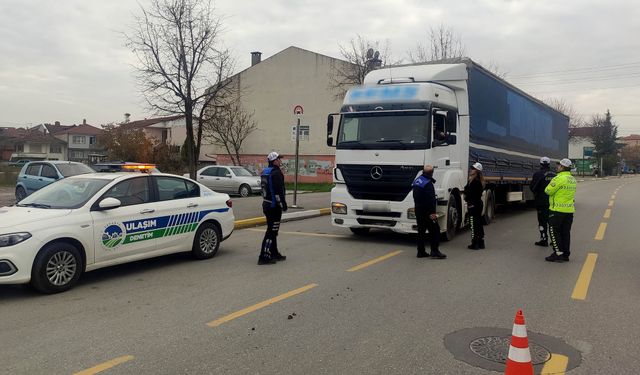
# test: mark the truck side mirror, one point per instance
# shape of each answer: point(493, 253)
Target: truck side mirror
point(452, 139)
point(452, 118)
point(330, 130)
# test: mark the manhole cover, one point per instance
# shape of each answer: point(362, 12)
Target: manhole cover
point(496, 349)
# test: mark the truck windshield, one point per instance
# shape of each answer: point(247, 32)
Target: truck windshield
point(384, 130)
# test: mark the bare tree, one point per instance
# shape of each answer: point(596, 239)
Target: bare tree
point(228, 126)
point(561, 105)
point(443, 44)
point(177, 43)
point(361, 57)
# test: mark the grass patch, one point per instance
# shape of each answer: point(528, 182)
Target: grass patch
point(316, 188)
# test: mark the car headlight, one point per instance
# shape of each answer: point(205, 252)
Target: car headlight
point(13, 238)
point(338, 208)
point(411, 213)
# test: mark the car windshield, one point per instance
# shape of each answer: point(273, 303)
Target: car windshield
point(384, 130)
point(73, 169)
point(241, 172)
point(65, 194)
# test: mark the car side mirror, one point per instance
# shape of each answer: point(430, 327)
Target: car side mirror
point(109, 203)
point(228, 175)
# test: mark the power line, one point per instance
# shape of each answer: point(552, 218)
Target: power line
point(595, 68)
point(582, 89)
point(581, 80)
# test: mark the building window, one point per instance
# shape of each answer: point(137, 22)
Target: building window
point(92, 140)
point(77, 154)
point(55, 149)
point(19, 148)
point(79, 139)
point(36, 148)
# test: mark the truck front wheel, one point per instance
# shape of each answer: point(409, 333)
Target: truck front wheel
point(452, 218)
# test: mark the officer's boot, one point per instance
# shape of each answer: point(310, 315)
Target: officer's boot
point(474, 245)
point(422, 253)
point(436, 254)
point(481, 243)
point(278, 257)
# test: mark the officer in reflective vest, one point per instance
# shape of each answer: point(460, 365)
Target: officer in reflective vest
point(273, 204)
point(539, 182)
point(561, 191)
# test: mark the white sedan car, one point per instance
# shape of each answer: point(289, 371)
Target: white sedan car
point(96, 220)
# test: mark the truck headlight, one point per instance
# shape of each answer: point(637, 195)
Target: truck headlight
point(411, 213)
point(13, 238)
point(338, 208)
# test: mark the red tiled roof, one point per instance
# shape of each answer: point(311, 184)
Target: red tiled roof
point(632, 137)
point(84, 129)
point(28, 135)
point(53, 129)
point(148, 122)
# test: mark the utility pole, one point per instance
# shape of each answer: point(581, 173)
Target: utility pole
point(297, 110)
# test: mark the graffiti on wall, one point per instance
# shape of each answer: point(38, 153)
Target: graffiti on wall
point(311, 168)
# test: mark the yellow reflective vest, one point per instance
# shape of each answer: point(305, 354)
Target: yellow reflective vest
point(561, 191)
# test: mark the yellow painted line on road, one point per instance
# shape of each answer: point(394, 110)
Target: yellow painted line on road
point(260, 305)
point(607, 213)
point(613, 197)
point(582, 285)
point(373, 261)
point(610, 203)
point(105, 366)
point(601, 230)
point(305, 233)
point(557, 364)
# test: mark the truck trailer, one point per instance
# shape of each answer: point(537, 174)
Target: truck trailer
point(450, 115)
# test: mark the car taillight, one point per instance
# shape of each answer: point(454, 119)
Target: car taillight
point(229, 203)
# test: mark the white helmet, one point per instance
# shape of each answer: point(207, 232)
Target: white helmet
point(477, 166)
point(273, 156)
point(545, 160)
point(566, 163)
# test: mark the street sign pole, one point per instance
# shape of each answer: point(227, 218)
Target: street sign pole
point(298, 111)
point(295, 180)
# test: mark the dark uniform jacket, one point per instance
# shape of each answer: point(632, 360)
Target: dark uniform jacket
point(539, 182)
point(473, 192)
point(424, 195)
point(273, 191)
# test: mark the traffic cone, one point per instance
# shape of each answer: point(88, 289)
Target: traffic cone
point(519, 359)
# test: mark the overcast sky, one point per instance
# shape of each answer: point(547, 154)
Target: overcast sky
point(65, 60)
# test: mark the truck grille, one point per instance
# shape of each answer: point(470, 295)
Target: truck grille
point(393, 184)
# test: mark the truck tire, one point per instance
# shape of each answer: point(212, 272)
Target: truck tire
point(490, 209)
point(453, 218)
point(360, 231)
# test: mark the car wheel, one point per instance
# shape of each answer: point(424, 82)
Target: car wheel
point(360, 231)
point(453, 218)
point(207, 241)
point(20, 193)
point(244, 191)
point(57, 268)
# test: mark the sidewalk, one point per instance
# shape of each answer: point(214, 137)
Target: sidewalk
point(251, 207)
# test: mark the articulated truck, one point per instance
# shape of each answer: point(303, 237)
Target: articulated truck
point(449, 115)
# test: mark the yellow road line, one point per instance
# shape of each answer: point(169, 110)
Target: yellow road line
point(601, 230)
point(610, 203)
point(260, 305)
point(607, 213)
point(582, 285)
point(556, 365)
point(613, 196)
point(105, 366)
point(373, 261)
point(305, 233)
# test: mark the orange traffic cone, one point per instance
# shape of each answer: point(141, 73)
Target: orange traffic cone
point(519, 359)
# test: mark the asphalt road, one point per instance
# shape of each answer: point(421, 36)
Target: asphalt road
point(310, 314)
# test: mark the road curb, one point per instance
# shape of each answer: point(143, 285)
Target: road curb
point(258, 221)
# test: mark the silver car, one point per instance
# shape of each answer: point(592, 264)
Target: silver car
point(229, 179)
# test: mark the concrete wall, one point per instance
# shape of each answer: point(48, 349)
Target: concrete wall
point(313, 168)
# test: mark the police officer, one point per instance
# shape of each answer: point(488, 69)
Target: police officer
point(539, 182)
point(561, 191)
point(424, 198)
point(473, 196)
point(273, 204)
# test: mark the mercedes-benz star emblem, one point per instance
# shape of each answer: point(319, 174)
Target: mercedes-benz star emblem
point(376, 173)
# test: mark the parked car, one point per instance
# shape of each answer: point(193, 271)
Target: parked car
point(86, 222)
point(19, 163)
point(125, 166)
point(37, 174)
point(229, 179)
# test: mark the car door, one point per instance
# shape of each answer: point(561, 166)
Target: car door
point(226, 180)
point(177, 205)
point(209, 178)
point(31, 177)
point(48, 174)
point(131, 229)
